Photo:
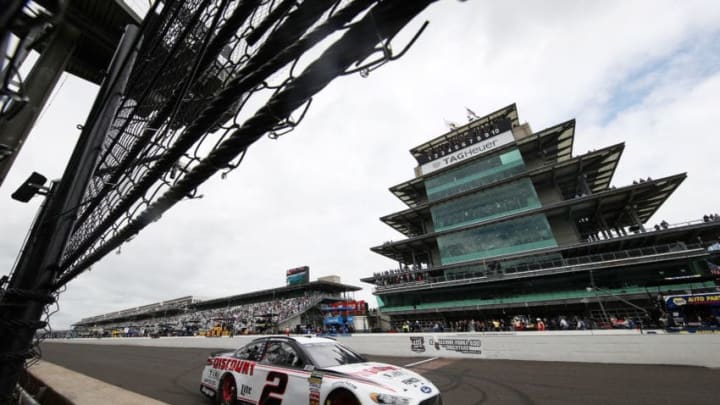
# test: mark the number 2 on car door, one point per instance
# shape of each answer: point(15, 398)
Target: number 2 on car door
point(274, 389)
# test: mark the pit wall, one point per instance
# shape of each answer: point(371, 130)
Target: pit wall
point(604, 346)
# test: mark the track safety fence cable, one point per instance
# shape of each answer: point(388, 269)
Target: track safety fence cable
point(185, 116)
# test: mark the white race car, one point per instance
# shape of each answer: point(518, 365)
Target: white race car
point(309, 370)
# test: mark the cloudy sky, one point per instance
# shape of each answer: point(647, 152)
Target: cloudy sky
point(643, 72)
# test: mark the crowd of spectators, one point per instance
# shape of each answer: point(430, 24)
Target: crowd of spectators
point(515, 323)
point(662, 225)
point(415, 275)
point(711, 217)
point(641, 180)
point(705, 218)
point(246, 318)
point(403, 275)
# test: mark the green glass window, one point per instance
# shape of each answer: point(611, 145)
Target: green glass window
point(475, 174)
point(497, 202)
point(503, 238)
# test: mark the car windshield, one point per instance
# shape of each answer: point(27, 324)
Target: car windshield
point(325, 355)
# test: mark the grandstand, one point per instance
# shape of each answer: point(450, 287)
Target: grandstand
point(295, 307)
point(505, 227)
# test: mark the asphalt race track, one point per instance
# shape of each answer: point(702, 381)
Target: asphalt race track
point(172, 375)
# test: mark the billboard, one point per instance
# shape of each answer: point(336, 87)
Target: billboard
point(298, 275)
point(673, 302)
point(346, 307)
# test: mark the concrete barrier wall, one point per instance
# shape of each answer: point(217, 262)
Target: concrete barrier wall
point(605, 346)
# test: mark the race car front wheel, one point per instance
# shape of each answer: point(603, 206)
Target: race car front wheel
point(227, 394)
point(341, 397)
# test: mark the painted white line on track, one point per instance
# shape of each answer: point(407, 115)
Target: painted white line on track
point(417, 363)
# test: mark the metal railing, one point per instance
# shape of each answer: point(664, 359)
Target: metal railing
point(554, 266)
point(581, 295)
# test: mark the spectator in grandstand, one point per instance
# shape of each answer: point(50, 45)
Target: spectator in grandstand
point(416, 326)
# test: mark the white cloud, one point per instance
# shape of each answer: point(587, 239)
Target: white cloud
point(314, 196)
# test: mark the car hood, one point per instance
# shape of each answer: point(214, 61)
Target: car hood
point(222, 352)
point(396, 379)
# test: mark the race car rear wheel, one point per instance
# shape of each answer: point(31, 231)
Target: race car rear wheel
point(227, 394)
point(341, 397)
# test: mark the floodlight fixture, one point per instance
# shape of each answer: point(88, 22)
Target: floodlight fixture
point(35, 184)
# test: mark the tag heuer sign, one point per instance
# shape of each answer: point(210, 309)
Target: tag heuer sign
point(475, 149)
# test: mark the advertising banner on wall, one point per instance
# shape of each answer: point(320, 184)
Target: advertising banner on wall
point(441, 344)
point(339, 320)
point(679, 301)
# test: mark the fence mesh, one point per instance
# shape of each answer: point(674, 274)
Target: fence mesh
point(211, 77)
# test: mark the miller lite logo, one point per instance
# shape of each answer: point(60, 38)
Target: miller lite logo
point(417, 344)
